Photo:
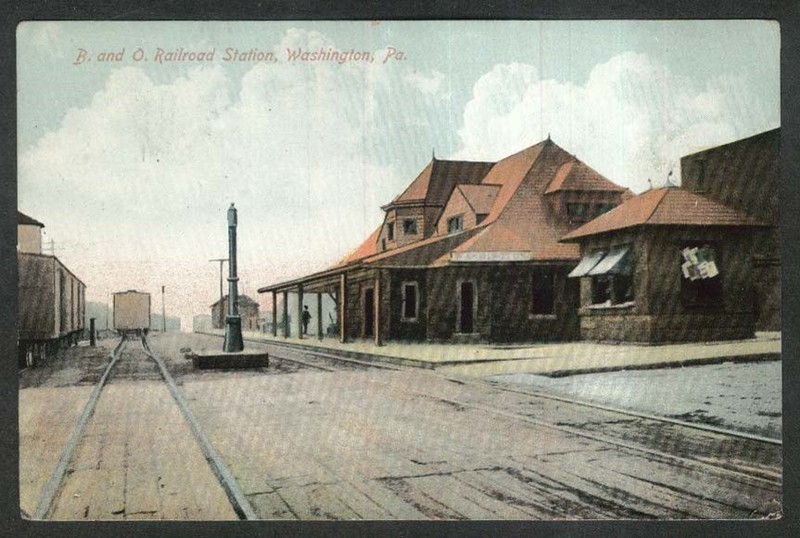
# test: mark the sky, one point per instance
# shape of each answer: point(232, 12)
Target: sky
point(131, 154)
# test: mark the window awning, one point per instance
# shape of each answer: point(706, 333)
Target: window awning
point(616, 262)
point(587, 263)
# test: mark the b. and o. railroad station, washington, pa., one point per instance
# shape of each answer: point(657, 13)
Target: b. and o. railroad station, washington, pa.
point(540, 247)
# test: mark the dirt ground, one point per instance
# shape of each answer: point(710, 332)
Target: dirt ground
point(740, 396)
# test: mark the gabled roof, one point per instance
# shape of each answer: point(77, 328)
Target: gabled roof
point(480, 197)
point(522, 219)
point(664, 206)
point(244, 300)
point(22, 218)
point(436, 181)
point(577, 176)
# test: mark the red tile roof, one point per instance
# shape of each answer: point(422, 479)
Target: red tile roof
point(480, 197)
point(664, 206)
point(436, 181)
point(522, 219)
point(367, 248)
point(577, 176)
point(510, 192)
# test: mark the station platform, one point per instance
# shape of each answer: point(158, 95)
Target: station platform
point(553, 359)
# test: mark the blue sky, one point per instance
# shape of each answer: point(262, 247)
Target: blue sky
point(147, 156)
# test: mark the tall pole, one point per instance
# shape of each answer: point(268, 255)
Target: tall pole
point(233, 323)
point(163, 313)
point(221, 295)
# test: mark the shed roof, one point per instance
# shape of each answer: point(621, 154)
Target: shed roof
point(664, 206)
point(22, 218)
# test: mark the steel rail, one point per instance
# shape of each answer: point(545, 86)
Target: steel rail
point(565, 399)
point(236, 496)
point(51, 488)
point(689, 462)
point(576, 431)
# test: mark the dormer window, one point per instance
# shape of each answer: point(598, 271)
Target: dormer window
point(390, 231)
point(410, 227)
point(577, 211)
point(599, 209)
point(455, 224)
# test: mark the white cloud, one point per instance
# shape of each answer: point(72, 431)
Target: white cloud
point(428, 83)
point(631, 120)
point(288, 143)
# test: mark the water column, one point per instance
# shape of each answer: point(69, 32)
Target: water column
point(233, 323)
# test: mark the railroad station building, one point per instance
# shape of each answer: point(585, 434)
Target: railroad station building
point(744, 175)
point(668, 265)
point(469, 252)
point(248, 311)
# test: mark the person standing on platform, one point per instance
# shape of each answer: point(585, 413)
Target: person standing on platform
point(306, 319)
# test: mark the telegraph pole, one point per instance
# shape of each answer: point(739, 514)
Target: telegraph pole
point(221, 296)
point(163, 312)
point(233, 323)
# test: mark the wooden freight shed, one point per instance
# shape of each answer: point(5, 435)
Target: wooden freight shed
point(485, 262)
point(666, 266)
point(744, 175)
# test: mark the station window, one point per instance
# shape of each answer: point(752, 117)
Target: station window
point(577, 211)
point(410, 306)
point(455, 224)
point(410, 227)
point(543, 295)
point(701, 283)
point(390, 231)
point(612, 275)
point(599, 209)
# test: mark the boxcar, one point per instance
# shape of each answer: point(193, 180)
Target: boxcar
point(51, 307)
point(132, 312)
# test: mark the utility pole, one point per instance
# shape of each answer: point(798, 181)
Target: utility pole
point(163, 312)
point(221, 296)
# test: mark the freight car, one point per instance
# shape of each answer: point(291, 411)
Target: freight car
point(51, 307)
point(132, 312)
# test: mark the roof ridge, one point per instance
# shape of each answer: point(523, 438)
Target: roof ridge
point(663, 192)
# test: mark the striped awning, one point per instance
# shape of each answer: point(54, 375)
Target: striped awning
point(616, 262)
point(588, 262)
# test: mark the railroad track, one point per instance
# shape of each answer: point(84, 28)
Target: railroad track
point(690, 444)
point(50, 494)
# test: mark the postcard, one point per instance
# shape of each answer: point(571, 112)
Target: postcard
point(399, 270)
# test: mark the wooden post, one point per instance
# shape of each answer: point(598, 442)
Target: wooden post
point(300, 311)
point(286, 314)
point(377, 317)
point(275, 314)
point(319, 316)
point(342, 301)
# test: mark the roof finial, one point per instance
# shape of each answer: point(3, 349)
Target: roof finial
point(433, 154)
point(548, 136)
point(650, 184)
point(669, 183)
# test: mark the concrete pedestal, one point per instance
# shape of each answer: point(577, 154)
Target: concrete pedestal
point(220, 359)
